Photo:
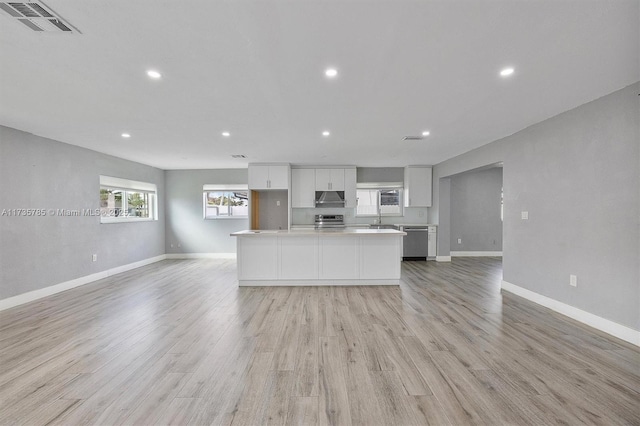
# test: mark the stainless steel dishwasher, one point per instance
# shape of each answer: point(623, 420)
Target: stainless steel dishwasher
point(415, 245)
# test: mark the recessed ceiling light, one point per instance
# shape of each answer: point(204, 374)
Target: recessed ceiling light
point(326, 133)
point(125, 135)
point(154, 74)
point(426, 133)
point(331, 72)
point(507, 72)
point(226, 134)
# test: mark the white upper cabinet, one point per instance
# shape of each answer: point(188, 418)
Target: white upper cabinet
point(279, 177)
point(329, 179)
point(350, 196)
point(258, 177)
point(303, 186)
point(262, 176)
point(417, 186)
point(305, 181)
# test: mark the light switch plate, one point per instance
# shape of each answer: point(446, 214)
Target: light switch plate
point(525, 215)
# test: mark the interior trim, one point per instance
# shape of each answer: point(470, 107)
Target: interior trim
point(613, 328)
point(476, 253)
point(201, 256)
point(30, 296)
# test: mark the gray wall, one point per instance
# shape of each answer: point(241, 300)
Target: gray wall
point(475, 211)
point(578, 176)
point(380, 174)
point(38, 252)
point(185, 225)
point(272, 215)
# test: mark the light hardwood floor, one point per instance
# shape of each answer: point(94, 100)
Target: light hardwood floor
point(177, 342)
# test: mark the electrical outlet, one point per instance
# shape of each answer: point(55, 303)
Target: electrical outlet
point(179, 245)
point(94, 258)
point(573, 280)
point(459, 240)
point(278, 203)
point(171, 245)
point(524, 215)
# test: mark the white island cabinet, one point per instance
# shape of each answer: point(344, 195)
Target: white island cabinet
point(316, 257)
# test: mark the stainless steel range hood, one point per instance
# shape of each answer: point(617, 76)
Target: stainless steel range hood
point(329, 198)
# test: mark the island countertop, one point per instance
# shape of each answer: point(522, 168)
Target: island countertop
point(337, 232)
point(338, 256)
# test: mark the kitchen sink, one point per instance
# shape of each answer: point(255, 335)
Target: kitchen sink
point(379, 226)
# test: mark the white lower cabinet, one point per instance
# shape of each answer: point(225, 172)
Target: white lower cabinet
point(379, 259)
point(299, 258)
point(258, 259)
point(432, 244)
point(319, 260)
point(339, 258)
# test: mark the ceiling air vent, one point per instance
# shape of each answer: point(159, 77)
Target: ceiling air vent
point(37, 16)
point(238, 156)
point(412, 138)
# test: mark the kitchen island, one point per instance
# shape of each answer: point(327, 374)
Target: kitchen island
point(319, 257)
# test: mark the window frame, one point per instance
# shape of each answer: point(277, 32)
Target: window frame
point(127, 187)
point(224, 189)
point(380, 187)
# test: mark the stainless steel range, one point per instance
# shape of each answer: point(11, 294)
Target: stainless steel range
point(325, 221)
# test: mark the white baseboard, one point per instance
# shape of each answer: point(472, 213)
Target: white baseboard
point(201, 256)
point(476, 253)
point(23, 298)
point(618, 330)
point(443, 258)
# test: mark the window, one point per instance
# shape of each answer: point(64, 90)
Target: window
point(123, 200)
point(225, 201)
point(379, 200)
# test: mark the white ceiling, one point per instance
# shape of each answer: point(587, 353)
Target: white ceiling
point(256, 69)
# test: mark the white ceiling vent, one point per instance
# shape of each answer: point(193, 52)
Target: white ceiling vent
point(238, 156)
point(37, 16)
point(412, 138)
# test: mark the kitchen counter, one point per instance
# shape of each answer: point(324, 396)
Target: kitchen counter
point(335, 232)
point(413, 224)
point(349, 256)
